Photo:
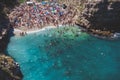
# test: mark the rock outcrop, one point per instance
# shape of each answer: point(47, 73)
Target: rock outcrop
point(9, 69)
point(101, 15)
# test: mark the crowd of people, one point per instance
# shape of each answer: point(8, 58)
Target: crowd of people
point(40, 14)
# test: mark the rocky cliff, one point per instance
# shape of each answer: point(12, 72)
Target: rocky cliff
point(101, 16)
point(9, 69)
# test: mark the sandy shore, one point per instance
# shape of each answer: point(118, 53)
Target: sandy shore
point(18, 31)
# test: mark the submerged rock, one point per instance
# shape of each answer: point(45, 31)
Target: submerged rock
point(9, 69)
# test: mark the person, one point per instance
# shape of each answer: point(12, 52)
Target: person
point(36, 15)
point(64, 6)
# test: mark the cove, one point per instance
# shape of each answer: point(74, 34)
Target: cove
point(66, 53)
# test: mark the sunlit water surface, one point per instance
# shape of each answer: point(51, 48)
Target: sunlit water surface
point(66, 54)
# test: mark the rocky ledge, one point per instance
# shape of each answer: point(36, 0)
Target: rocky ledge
point(9, 69)
point(101, 17)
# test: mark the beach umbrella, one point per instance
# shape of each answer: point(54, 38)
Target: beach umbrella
point(43, 2)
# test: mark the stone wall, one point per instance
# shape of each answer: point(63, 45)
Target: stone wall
point(101, 15)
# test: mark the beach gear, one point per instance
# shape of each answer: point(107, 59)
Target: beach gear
point(29, 2)
point(60, 13)
point(44, 3)
point(64, 6)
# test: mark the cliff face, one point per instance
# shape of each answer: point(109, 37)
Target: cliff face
point(9, 69)
point(5, 28)
point(101, 15)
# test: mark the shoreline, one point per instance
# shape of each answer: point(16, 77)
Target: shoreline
point(112, 36)
point(17, 31)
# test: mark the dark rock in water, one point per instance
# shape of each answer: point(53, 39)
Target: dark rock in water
point(9, 69)
point(101, 15)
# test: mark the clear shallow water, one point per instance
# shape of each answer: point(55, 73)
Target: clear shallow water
point(66, 54)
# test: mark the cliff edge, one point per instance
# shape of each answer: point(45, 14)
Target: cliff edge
point(9, 69)
point(101, 16)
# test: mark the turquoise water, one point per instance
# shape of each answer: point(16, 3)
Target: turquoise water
point(66, 54)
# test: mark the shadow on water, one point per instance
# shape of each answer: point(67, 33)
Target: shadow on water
point(5, 7)
point(6, 30)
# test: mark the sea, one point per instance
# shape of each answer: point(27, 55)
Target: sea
point(66, 53)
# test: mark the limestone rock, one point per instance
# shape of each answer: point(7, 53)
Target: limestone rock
point(9, 69)
point(101, 14)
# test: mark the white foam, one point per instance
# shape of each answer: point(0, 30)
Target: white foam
point(34, 31)
point(18, 31)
